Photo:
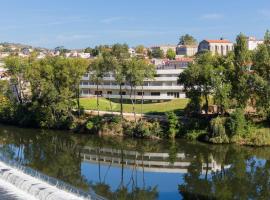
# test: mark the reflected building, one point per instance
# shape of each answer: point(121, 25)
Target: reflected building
point(147, 162)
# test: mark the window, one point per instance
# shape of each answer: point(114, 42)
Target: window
point(155, 93)
point(123, 93)
point(109, 92)
point(140, 93)
point(98, 93)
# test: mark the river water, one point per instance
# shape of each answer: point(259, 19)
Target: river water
point(118, 168)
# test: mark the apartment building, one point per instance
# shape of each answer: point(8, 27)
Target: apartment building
point(253, 43)
point(163, 87)
point(186, 50)
point(220, 47)
point(164, 48)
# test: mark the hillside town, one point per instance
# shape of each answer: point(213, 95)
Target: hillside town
point(169, 60)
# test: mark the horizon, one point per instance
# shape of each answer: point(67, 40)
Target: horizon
point(80, 24)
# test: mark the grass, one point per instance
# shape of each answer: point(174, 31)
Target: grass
point(176, 105)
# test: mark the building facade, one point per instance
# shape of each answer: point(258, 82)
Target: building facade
point(186, 50)
point(253, 43)
point(163, 87)
point(220, 47)
point(164, 48)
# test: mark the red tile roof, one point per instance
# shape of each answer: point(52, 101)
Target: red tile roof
point(218, 41)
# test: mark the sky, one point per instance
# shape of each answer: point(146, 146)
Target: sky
point(83, 23)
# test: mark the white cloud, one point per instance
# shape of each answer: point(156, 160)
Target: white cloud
point(112, 19)
point(212, 16)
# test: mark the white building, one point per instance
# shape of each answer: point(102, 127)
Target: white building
point(253, 43)
point(220, 47)
point(163, 87)
point(186, 50)
point(164, 48)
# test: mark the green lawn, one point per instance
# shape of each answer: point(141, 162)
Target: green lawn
point(176, 105)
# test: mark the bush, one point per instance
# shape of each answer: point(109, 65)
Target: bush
point(173, 124)
point(144, 129)
point(195, 134)
point(237, 123)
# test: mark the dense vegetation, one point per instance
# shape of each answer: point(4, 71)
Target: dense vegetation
point(239, 86)
point(229, 95)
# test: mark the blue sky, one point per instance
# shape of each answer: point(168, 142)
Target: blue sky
point(82, 23)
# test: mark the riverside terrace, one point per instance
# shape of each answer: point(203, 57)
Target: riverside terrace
point(163, 87)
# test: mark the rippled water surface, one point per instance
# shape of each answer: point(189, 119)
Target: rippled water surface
point(119, 168)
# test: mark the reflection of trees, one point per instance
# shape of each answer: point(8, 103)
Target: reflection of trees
point(246, 178)
point(55, 154)
point(130, 189)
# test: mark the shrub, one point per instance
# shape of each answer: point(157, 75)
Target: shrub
point(173, 124)
point(195, 134)
point(218, 127)
point(237, 123)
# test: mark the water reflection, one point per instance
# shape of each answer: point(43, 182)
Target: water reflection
point(120, 168)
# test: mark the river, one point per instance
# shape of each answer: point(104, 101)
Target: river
point(119, 168)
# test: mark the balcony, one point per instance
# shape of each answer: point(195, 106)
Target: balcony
point(116, 87)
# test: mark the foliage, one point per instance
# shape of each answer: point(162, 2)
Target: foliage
point(173, 124)
point(187, 40)
point(157, 53)
point(237, 123)
point(170, 54)
point(195, 134)
point(140, 49)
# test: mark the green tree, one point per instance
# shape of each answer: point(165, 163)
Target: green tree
point(140, 49)
point(242, 60)
point(187, 40)
point(173, 124)
point(267, 37)
point(197, 79)
point(98, 69)
point(157, 53)
point(171, 54)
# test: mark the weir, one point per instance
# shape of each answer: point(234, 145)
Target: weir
point(38, 185)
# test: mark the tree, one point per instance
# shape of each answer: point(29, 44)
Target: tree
point(140, 49)
point(17, 68)
point(267, 37)
point(78, 67)
point(242, 60)
point(120, 51)
point(187, 40)
point(198, 80)
point(137, 70)
point(98, 71)
point(173, 124)
point(171, 54)
point(157, 53)
point(221, 89)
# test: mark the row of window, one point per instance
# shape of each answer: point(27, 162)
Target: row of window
point(169, 83)
point(174, 94)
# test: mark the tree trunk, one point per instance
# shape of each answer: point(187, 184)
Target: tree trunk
point(78, 100)
point(206, 103)
point(121, 102)
point(133, 106)
point(98, 98)
point(142, 101)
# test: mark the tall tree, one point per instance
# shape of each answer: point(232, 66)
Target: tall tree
point(98, 71)
point(242, 63)
point(187, 40)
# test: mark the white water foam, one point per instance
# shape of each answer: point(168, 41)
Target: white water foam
point(28, 187)
point(12, 192)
